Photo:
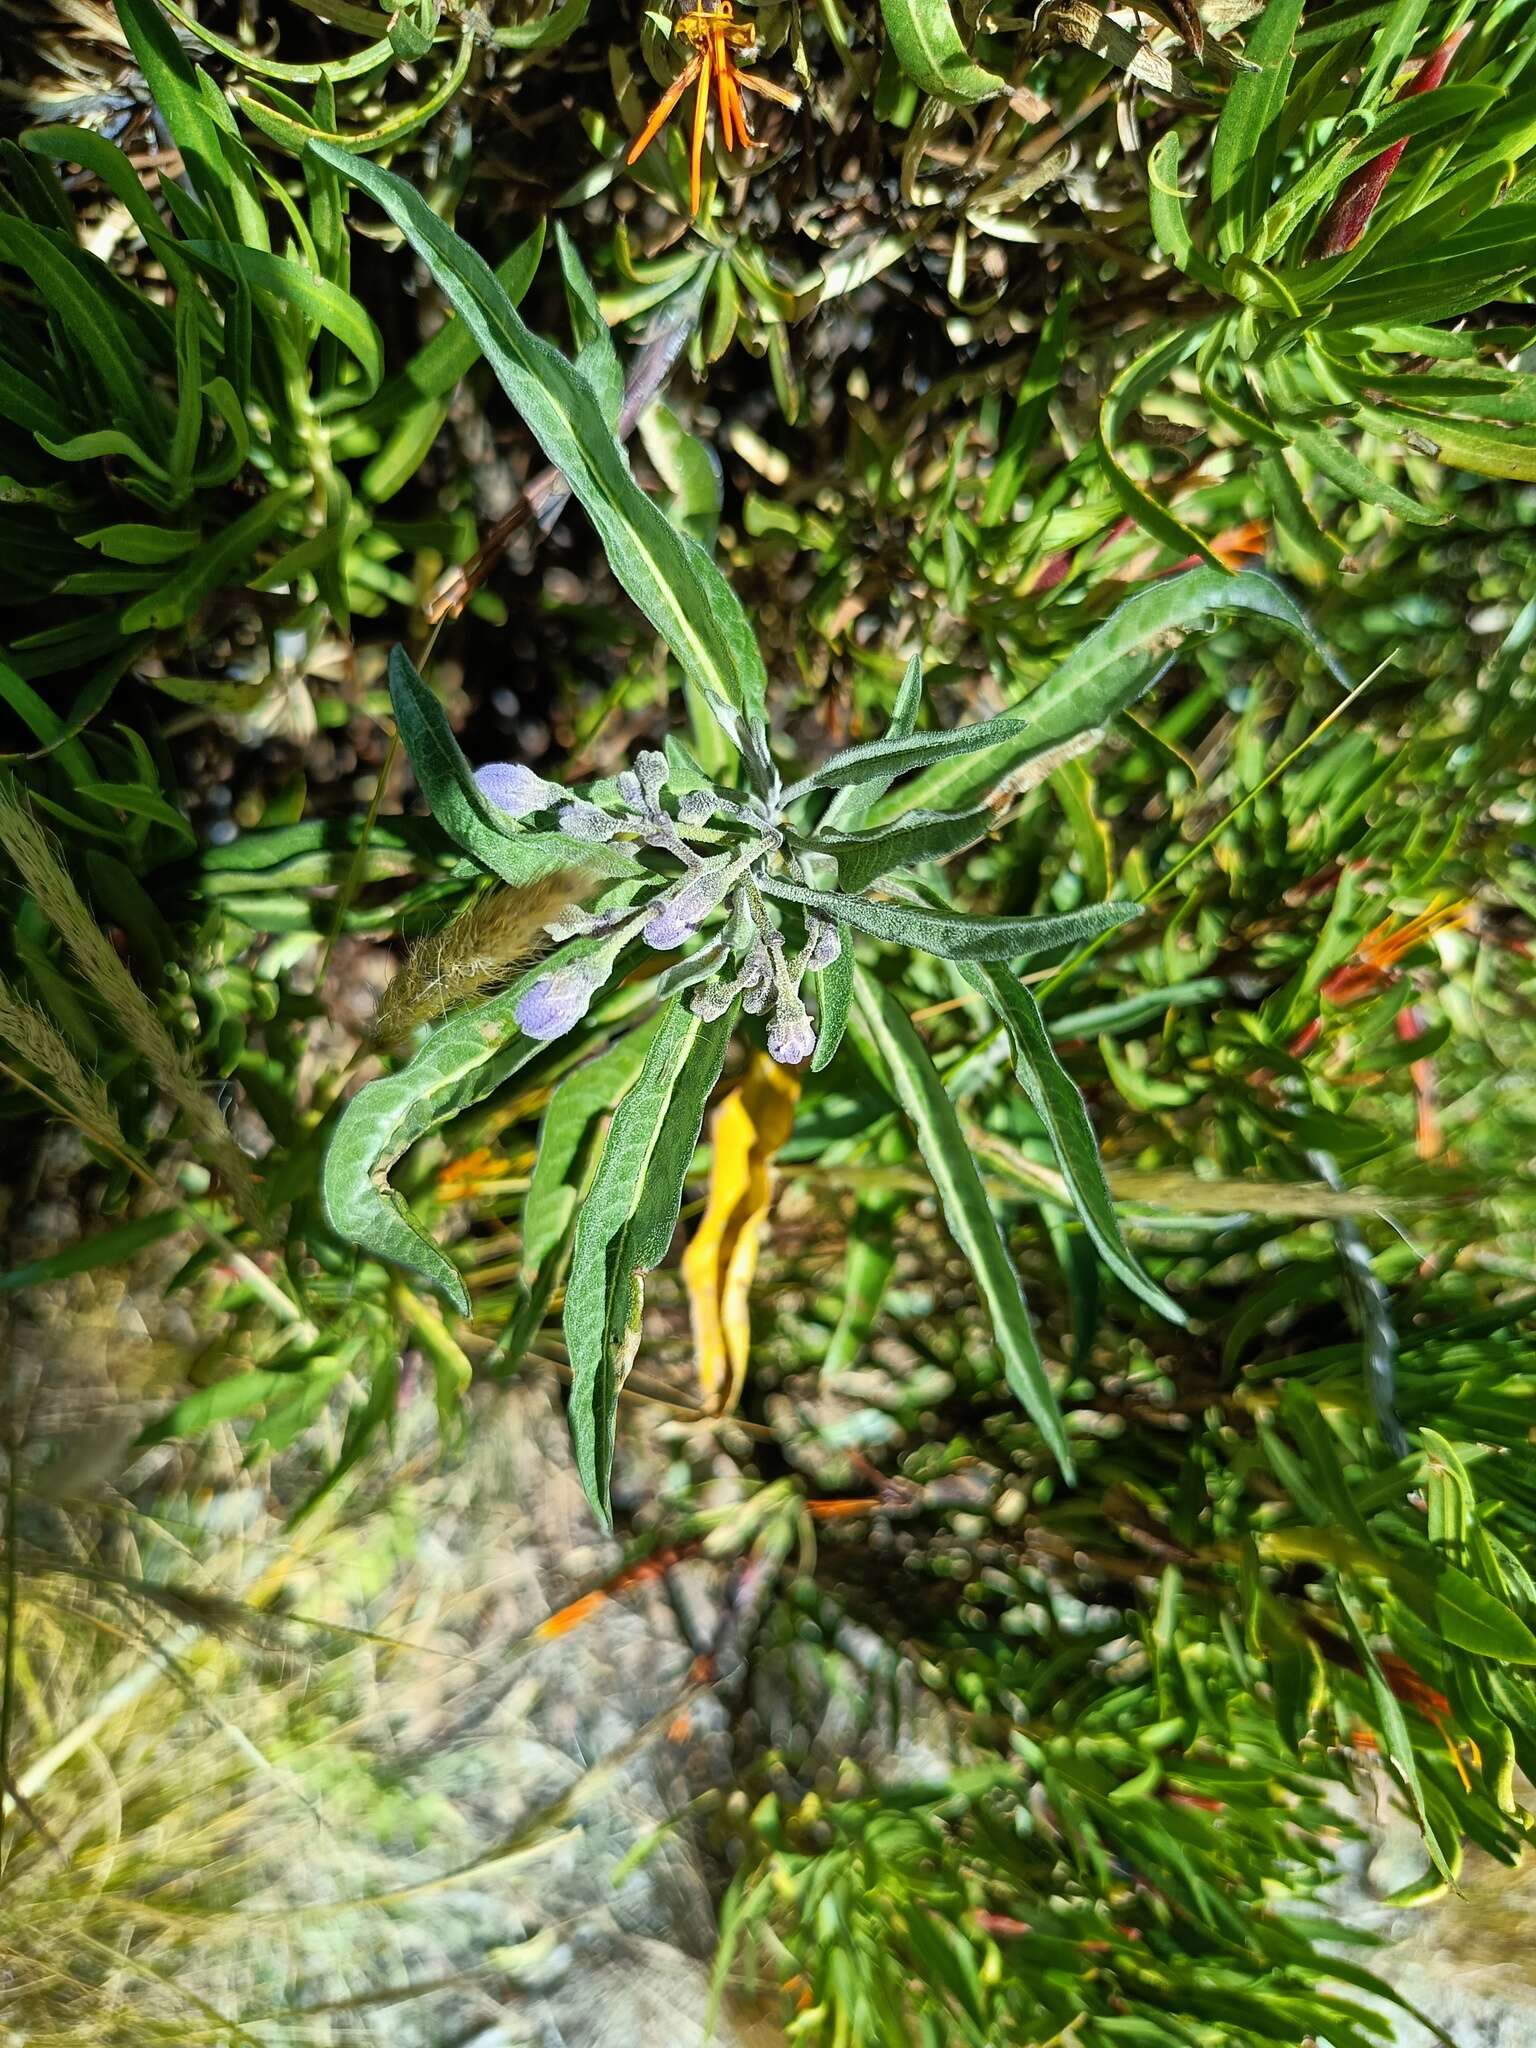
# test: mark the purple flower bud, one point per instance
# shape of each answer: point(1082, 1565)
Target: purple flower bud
point(556, 1003)
point(791, 1037)
point(825, 945)
point(651, 774)
point(712, 1000)
point(673, 922)
point(515, 789)
point(678, 914)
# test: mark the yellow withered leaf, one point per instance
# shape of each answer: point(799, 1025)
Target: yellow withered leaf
point(749, 1126)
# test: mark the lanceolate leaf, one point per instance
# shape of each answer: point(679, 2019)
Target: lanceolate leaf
point(901, 1055)
point(411, 407)
point(1124, 396)
point(929, 50)
point(855, 800)
point(1327, 453)
point(597, 360)
point(668, 575)
point(1031, 408)
point(187, 115)
point(1466, 1613)
point(626, 1223)
point(832, 988)
point(1243, 154)
point(545, 32)
point(883, 760)
point(178, 599)
point(85, 309)
point(1392, 1727)
point(515, 854)
point(460, 1063)
point(580, 1099)
point(1109, 670)
point(1485, 448)
point(953, 934)
point(863, 857)
point(1053, 1096)
point(315, 297)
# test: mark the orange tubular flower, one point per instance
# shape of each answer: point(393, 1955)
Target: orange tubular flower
point(1374, 965)
point(716, 38)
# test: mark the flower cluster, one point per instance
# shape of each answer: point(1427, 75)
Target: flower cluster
point(708, 849)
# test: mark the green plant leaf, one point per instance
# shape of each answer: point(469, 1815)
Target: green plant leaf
point(175, 89)
point(462, 1061)
point(929, 50)
point(832, 989)
point(1327, 454)
point(900, 1055)
point(626, 1222)
point(1244, 151)
point(883, 760)
point(142, 544)
point(1031, 409)
point(582, 1097)
point(1392, 1727)
point(863, 857)
point(1465, 1612)
point(221, 1402)
point(547, 32)
point(178, 600)
point(668, 575)
point(597, 360)
point(517, 854)
point(1135, 382)
point(316, 298)
point(87, 313)
point(956, 934)
point(1055, 1100)
point(855, 800)
point(414, 404)
point(284, 122)
point(1113, 666)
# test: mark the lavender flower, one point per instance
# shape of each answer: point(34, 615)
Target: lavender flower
point(557, 1002)
point(791, 1035)
point(824, 947)
point(515, 789)
point(757, 994)
point(677, 915)
point(674, 920)
point(748, 833)
point(713, 999)
point(651, 775)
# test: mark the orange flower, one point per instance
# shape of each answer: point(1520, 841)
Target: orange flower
point(716, 38)
point(1372, 967)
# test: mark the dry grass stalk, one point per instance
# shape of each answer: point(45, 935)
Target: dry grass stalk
point(81, 1096)
point(478, 952)
point(45, 874)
